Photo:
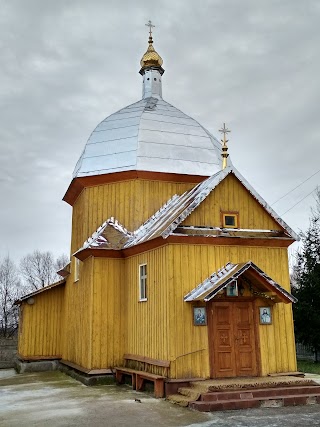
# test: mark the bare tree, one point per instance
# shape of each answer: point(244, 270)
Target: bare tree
point(39, 269)
point(10, 291)
point(61, 262)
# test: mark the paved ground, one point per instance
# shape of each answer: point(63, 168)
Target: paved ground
point(55, 400)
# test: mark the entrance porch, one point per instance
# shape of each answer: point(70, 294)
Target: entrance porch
point(243, 310)
point(244, 393)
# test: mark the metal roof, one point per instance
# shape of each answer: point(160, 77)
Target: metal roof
point(178, 208)
point(219, 280)
point(112, 235)
point(150, 135)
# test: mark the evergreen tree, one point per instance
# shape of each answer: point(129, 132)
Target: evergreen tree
point(307, 285)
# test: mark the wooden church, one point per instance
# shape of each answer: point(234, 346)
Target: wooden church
point(178, 267)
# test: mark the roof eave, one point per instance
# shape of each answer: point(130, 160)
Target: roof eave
point(39, 291)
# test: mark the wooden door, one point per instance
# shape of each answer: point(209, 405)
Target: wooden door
point(232, 339)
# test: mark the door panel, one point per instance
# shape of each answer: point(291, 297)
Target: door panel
point(232, 339)
point(222, 351)
point(244, 339)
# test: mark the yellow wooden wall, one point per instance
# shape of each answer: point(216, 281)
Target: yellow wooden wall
point(102, 318)
point(277, 343)
point(162, 327)
point(99, 318)
point(78, 320)
point(189, 266)
point(172, 272)
point(147, 323)
point(109, 313)
point(230, 195)
point(130, 202)
point(40, 327)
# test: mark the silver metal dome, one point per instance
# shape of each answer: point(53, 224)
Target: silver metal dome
point(150, 135)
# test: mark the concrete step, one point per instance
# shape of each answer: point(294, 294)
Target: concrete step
point(255, 402)
point(259, 393)
point(224, 405)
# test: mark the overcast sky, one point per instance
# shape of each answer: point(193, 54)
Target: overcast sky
point(66, 65)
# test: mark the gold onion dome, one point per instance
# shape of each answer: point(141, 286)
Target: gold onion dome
point(151, 58)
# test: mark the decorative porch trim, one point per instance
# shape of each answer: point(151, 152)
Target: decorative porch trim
point(219, 280)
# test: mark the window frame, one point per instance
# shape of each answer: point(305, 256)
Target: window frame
point(233, 214)
point(76, 277)
point(143, 277)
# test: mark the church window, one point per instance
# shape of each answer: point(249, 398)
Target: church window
point(230, 220)
point(143, 282)
point(76, 269)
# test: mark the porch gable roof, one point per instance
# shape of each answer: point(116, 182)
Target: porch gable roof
point(228, 274)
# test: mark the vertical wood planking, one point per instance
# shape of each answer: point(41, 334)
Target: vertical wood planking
point(42, 325)
point(130, 202)
point(277, 352)
point(101, 316)
point(78, 317)
point(230, 195)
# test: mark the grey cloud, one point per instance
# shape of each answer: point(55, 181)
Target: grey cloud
point(67, 65)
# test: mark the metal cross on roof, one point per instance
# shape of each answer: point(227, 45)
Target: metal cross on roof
point(150, 25)
point(224, 141)
point(224, 130)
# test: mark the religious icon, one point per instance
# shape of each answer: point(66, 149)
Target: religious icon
point(199, 316)
point(265, 315)
point(232, 289)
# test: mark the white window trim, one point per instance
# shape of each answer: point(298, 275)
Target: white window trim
point(76, 270)
point(145, 278)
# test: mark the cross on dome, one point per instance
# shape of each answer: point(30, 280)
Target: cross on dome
point(150, 25)
point(224, 141)
point(225, 131)
point(151, 59)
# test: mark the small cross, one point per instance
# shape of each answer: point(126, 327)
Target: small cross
point(225, 131)
point(224, 141)
point(244, 337)
point(150, 25)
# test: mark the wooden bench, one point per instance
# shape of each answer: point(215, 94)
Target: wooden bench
point(138, 377)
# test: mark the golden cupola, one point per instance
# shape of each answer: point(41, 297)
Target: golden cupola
point(151, 58)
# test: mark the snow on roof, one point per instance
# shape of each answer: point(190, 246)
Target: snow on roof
point(228, 274)
point(112, 235)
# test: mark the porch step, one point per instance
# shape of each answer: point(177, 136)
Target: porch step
point(190, 392)
point(239, 393)
point(179, 399)
point(260, 393)
point(255, 398)
point(256, 402)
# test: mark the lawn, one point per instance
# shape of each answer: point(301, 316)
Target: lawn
point(308, 366)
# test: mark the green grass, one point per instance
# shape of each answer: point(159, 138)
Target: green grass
point(308, 366)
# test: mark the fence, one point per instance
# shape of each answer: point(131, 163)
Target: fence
point(304, 352)
point(8, 351)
